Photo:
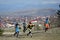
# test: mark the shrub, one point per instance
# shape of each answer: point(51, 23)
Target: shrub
point(1, 31)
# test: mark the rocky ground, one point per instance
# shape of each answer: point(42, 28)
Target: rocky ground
point(51, 34)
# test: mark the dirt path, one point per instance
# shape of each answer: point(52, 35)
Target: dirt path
point(54, 35)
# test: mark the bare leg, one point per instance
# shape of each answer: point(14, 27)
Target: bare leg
point(29, 33)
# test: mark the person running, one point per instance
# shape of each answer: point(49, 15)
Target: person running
point(24, 26)
point(46, 24)
point(30, 26)
point(16, 30)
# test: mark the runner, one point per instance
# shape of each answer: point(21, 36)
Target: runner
point(16, 30)
point(30, 26)
point(24, 26)
point(46, 24)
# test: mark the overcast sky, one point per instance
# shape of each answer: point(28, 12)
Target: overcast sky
point(14, 5)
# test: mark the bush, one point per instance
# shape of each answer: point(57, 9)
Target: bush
point(1, 31)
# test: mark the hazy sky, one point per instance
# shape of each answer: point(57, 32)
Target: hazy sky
point(14, 5)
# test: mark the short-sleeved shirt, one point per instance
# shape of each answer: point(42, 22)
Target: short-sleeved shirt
point(47, 21)
point(24, 24)
point(17, 29)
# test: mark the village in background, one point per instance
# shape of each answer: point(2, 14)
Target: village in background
point(9, 22)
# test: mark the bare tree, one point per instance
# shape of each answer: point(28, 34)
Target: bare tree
point(58, 13)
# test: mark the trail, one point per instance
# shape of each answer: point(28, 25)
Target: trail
point(51, 34)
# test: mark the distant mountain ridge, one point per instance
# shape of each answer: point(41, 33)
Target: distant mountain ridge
point(31, 12)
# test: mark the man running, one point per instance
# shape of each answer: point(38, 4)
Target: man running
point(30, 26)
point(46, 24)
point(16, 30)
point(24, 26)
